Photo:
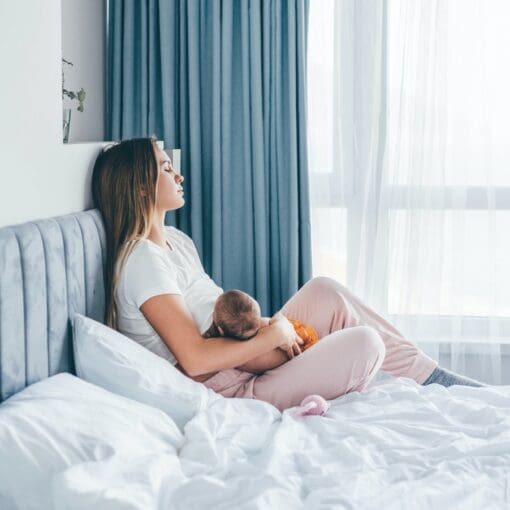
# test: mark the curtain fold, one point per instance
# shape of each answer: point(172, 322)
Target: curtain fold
point(226, 83)
point(410, 181)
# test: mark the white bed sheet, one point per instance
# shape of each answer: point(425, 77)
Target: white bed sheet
point(394, 445)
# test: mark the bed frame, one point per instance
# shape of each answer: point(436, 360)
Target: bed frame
point(49, 269)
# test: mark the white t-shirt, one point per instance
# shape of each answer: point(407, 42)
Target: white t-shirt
point(151, 271)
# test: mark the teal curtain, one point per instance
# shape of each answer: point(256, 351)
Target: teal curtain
point(224, 81)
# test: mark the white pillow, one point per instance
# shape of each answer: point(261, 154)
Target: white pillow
point(54, 425)
point(109, 359)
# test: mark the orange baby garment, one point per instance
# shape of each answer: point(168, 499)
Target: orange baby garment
point(307, 333)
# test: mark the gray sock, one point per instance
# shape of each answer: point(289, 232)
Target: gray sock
point(445, 377)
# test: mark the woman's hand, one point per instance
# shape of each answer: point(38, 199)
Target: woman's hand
point(290, 339)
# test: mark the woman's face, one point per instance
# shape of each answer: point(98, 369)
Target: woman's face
point(169, 191)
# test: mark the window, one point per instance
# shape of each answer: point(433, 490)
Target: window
point(459, 74)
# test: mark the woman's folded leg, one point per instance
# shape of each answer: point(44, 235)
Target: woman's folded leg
point(327, 305)
point(340, 363)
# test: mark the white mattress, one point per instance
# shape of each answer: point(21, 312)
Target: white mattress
point(395, 445)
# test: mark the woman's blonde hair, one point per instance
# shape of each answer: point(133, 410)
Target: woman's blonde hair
point(124, 183)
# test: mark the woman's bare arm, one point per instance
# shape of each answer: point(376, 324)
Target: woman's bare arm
point(264, 362)
point(267, 361)
point(172, 320)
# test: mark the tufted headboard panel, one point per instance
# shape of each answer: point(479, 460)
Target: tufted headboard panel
point(49, 269)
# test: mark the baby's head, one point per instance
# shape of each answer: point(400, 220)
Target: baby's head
point(237, 314)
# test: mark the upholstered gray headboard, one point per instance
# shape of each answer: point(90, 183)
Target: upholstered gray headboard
point(49, 269)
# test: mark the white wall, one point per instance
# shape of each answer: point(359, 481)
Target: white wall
point(83, 43)
point(39, 175)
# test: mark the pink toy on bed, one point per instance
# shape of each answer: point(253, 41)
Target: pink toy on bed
point(312, 405)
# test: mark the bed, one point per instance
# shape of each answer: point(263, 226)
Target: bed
point(79, 433)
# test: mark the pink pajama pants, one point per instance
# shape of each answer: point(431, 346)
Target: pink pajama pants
point(355, 343)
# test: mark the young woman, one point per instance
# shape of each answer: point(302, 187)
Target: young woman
point(158, 294)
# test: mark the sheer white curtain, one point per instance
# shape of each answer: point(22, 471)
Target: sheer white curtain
point(409, 147)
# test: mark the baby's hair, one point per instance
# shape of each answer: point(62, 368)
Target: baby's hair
point(236, 313)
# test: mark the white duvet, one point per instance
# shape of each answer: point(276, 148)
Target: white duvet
point(394, 445)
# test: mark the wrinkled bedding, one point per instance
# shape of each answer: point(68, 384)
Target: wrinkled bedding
point(394, 445)
point(397, 445)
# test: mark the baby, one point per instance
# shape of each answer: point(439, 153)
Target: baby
point(237, 315)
